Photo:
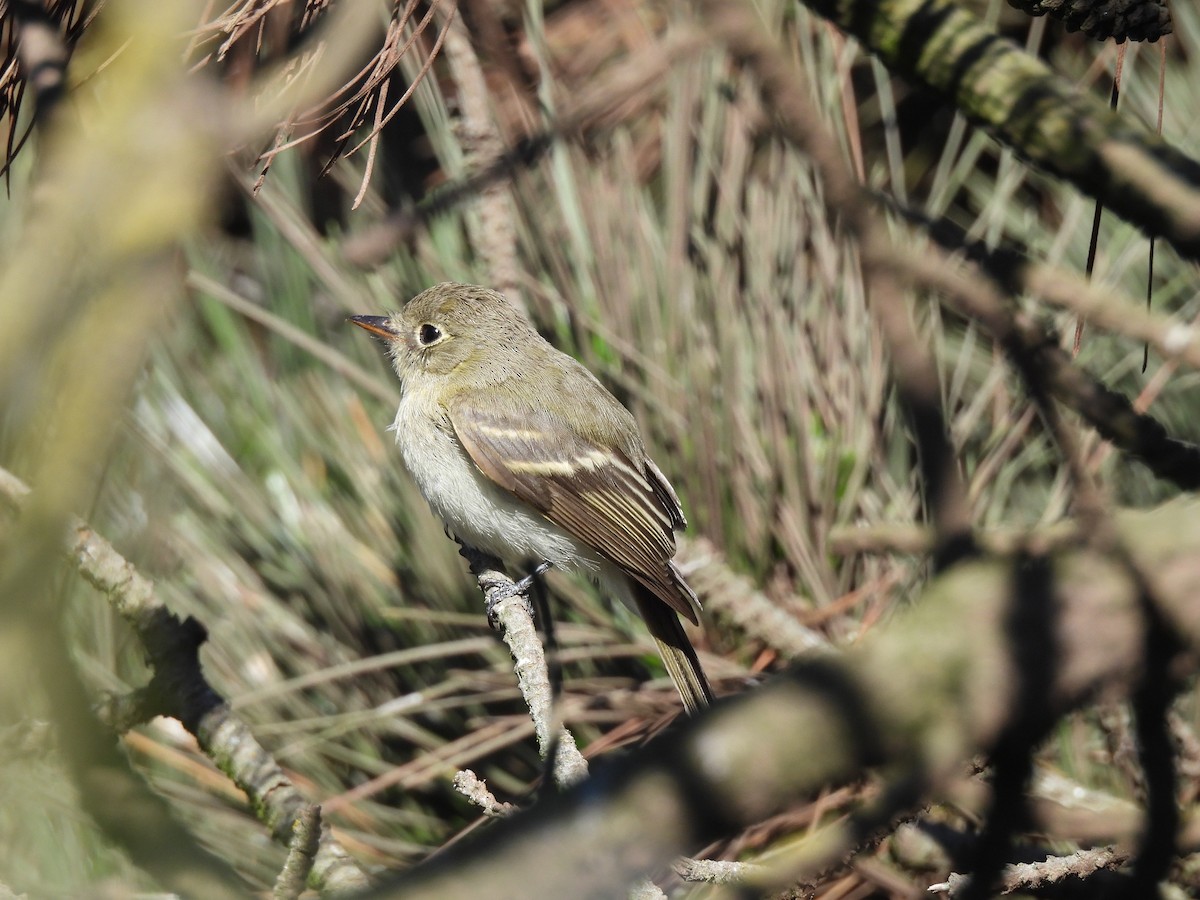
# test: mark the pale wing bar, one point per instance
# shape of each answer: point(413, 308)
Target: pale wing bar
point(594, 493)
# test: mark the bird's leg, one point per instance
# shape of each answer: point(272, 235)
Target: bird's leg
point(523, 586)
point(506, 588)
point(495, 583)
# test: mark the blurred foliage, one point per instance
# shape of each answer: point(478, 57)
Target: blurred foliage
point(685, 257)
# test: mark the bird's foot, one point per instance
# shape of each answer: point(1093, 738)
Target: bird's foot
point(501, 592)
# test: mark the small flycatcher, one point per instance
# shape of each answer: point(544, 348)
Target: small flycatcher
point(524, 455)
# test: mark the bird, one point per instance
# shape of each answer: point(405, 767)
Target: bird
point(524, 455)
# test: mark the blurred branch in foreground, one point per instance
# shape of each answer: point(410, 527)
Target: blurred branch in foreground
point(84, 285)
point(86, 282)
point(178, 689)
point(912, 702)
point(1063, 130)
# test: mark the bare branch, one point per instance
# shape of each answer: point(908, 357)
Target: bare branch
point(508, 605)
point(302, 852)
point(1053, 869)
point(476, 790)
point(714, 871)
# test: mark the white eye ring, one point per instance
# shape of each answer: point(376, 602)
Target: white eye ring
point(429, 334)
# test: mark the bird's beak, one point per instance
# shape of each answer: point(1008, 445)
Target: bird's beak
point(377, 325)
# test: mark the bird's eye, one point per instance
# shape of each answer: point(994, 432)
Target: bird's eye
point(428, 334)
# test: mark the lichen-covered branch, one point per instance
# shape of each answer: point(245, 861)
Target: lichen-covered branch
point(1049, 871)
point(302, 853)
point(942, 45)
point(476, 790)
point(734, 598)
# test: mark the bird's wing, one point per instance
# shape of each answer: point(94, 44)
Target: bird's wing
point(593, 492)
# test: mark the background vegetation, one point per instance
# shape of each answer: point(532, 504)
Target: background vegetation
point(677, 246)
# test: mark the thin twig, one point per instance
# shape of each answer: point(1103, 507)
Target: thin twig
point(918, 540)
point(713, 871)
point(476, 790)
point(1049, 871)
point(492, 230)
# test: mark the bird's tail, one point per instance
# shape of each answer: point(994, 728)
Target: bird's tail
point(676, 650)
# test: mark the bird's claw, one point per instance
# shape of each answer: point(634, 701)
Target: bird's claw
point(523, 586)
point(514, 589)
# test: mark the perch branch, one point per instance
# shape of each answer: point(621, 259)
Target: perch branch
point(508, 605)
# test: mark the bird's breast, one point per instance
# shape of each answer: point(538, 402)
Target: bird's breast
point(477, 510)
